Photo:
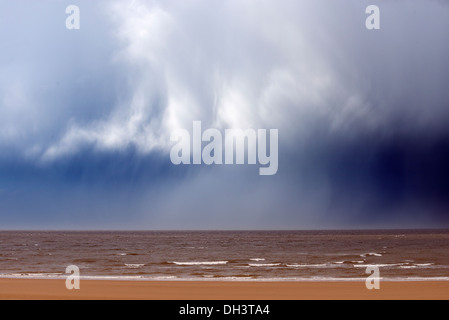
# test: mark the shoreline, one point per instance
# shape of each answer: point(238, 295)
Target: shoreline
point(63, 277)
point(54, 289)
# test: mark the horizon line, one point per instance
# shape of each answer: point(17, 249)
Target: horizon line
point(221, 230)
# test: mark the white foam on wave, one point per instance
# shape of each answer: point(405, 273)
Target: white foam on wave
point(164, 278)
point(112, 277)
point(198, 263)
point(380, 265)
point(371, 254)
point(419, 279)
point(228, 278)
point(425, 266)
point(134, 265)
point(317, 265)
point(34, 275)
point(402, 265)
point(257, 259)
point(263, 264)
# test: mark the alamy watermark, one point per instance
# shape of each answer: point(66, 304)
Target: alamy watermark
point(372, 22)
point(209, 147)
point(72, 22)
point(373, 280)
point(73, 280)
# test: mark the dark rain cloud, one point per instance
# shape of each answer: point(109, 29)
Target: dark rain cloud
point(86, 115)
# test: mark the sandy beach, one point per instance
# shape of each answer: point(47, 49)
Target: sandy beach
point(218, 290)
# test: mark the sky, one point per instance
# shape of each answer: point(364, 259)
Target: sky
point(86, 114)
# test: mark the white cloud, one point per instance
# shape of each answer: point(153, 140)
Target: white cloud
point(274, 64)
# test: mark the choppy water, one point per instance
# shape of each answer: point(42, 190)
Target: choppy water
point(227, 255)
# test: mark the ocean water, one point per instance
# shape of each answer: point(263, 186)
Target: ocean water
point(227, 255)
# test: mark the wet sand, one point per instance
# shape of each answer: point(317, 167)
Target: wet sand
point(219, 290)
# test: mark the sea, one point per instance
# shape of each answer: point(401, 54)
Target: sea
point(399, 255)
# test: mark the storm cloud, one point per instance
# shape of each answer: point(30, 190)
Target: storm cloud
point(86, 115)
